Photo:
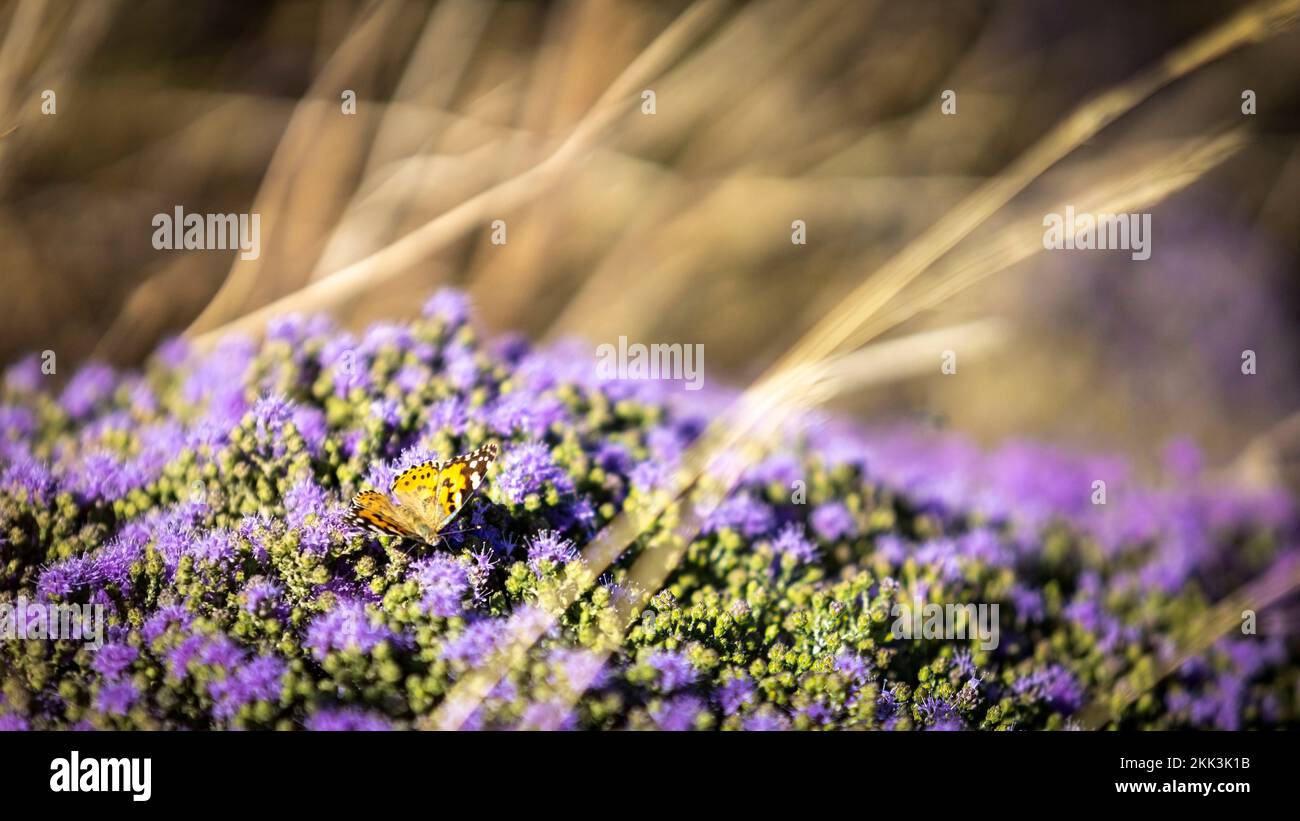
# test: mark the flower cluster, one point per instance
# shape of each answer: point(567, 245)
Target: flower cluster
point(200, 502)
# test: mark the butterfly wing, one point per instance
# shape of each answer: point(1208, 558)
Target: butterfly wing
point(375, 512)
point(415, 485)
point(438, 491)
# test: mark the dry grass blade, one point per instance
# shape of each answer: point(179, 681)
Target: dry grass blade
point(21, 36)
point(442, 52)
point(1249, 25)
point(304, 126)
point(1137, 190)
point(395, 258)
point(75, 42)
point(1265, 461)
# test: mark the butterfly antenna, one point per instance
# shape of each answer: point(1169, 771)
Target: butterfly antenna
point(465, 530)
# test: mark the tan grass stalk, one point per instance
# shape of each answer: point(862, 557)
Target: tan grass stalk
point(362, 44)
point(383, 265)
point(437, 63)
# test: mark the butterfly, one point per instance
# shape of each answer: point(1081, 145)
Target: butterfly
point(424, 498)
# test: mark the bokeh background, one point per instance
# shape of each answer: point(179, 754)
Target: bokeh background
point(675, 227)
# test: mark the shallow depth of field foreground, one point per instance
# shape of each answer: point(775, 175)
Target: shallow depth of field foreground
point(201, 502)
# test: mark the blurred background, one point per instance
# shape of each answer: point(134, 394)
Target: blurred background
point(676, 226)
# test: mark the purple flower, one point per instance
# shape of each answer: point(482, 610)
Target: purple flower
point(449, 416)
point(101, 476)
point(309, 510)
point(984, 545)
point(529, 469)
point(448, 305)
point(818, 713)
point(551, 714)
point(1028, 603)
point(310, 423)
point(766, 720)
point(24, 376)
point(792, 541)
point(16, 421)
point(349, 588)
point(346, 720)
point(412, 378)
point(888, 703)
point(567, 362)
point(28, 477)
point(674, 668)
point(665, 444)
point(220, 653)
point(476, 642)
point(521, 411)
point(677, 714)
point(938, 714)
point(261, 597)
point(950, 723)
point(258, 680)
point(60, 580)
point(113, 659)
point(1054, 686)
point(143, 401)
point(381, 476)
point(832, 521)
point(214, 547)
point(347, 627)
point(443, 582)
point(651, 476)
point(781, 468)
point(550, 546)
point(1184, 460)
point(385, 337)
point(613, 457)
point(736, 693)
point(461, 366)
point(388, 412)
point(164, 617)
point(270, 415)
point(173, 352)
point(116, 698)
point(11, 722)
point(296, 329)
point(853, 667)
point(582, 669)
point(89, 387)
point(344, 363)
point(743, 514)
point(510, 347)
point(218, 380)
point(411, 457)
point(482, 638)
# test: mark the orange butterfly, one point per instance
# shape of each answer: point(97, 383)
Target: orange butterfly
point(424, 498)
